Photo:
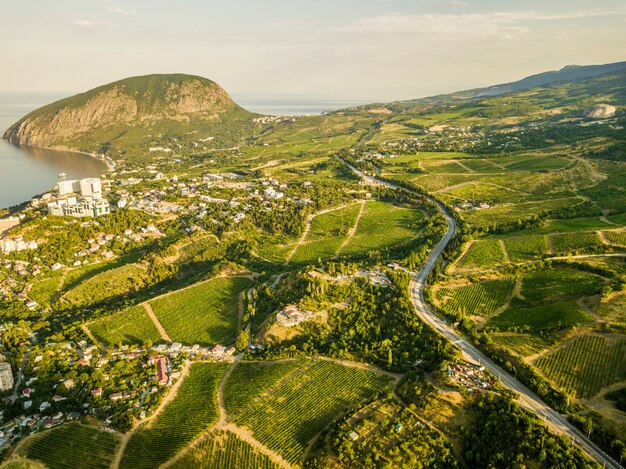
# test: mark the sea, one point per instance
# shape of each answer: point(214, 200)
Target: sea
point(28, 171)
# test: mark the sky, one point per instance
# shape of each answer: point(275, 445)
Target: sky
point(366, 50)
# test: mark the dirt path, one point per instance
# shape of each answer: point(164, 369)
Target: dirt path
point(221, 408)
point(550, 246)
point(466, 168)
point(88, 333)
point(364, 366)
point(466, 248)
point(157, 323)
point(146, 423)
point(352, 230)
point(505, 250)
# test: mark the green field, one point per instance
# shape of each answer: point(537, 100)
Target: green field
point(572, 243)
point(382, 226)
point(105, 285)
point(482, 254)
point(522, 344)
point(43, 290)
point(545, 285)
point(287, 419)
point(477, 299)
point(132, 326)
point(223, 449)
point(616, 237)
point(586, 364)
point(249, 380)
point(202, 314)
point(72, 445)
point(544, 316)
point(527, 247)
point(327, 233)
point(192, 411)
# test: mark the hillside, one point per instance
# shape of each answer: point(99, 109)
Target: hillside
point(135, 110)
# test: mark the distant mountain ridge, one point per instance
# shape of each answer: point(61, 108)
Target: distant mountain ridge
point(133, 102)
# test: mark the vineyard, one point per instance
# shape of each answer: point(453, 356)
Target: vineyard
point(249, 380)
point(542, 285)
point(522, 344)
point(527, 247)
point(71, 446)
point(382, 226)
point(484, 253)
point(106, 285)
point(203, 314)
point(616, 237)
point(586, 364)
point(571, 243)
point(287, 419)
point(223, 449)
point(191, 412)
point(555, 315)
point(132, 326)
point(327, 233)
point(477, 299)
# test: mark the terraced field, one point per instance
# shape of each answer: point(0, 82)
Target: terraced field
point(72, 445)
point(586, 364)
point(303, 406)
point(223, 449)
point(192, 411)
point(476, 299)
point(202, 314)
point(132, 326)
point(382, 226)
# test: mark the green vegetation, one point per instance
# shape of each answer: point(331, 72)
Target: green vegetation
point(545, 316)
point(73, 445)
point(202, 314)
point(567, 243)
point(115, 282)
point(484, 253)
point(132, 326)
point(586, 364)
point(249, 380)
point(303, 406)
point(476, 299)
point(616, 237)
point(525, 248)
point(327, 233)
point(552, 284)
point(223, 449)
point(522, 344)
point(192, 411)
point(381, 227)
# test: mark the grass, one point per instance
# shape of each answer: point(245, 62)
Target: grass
point(105, 285)
point(481, 254)
point(586, 364)
point(132, 326)
point(527, 247)
point(223, 449)
point(249, 380)
point(305, 405)
point(477, 299)
point(543, 316)
point(192, 411)
point(327, 233)
point(73, 445)
point(202, 314)
point(383, 226)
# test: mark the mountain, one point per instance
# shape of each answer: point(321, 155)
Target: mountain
point(568, 73)
point(131, 108)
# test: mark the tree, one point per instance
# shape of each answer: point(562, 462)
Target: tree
point(242, 340)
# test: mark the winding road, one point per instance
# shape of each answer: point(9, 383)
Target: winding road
point(527, 399)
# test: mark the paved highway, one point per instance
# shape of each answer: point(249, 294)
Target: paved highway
point(527, 399)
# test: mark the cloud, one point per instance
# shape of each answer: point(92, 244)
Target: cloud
point(446, 3)
point(118, 9)
point(94, 26)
